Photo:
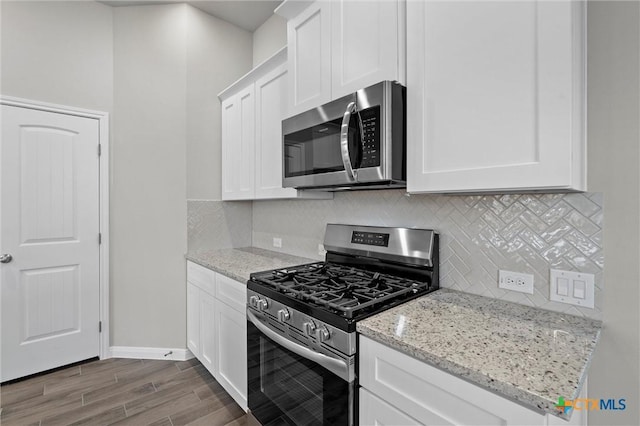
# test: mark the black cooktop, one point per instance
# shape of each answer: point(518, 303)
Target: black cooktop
point(337, 293)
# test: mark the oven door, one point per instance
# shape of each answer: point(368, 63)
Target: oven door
point(285, 386)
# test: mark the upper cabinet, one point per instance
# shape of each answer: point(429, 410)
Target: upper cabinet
point(495, 96)
point(338, 47)
point(238, 136)
point(252, 113)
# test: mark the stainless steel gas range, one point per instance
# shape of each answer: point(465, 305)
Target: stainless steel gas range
point(301, 320)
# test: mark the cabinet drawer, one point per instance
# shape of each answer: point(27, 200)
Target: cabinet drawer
point(232, 292)
point(201, 277)
point(432, 396)
point(374, 411)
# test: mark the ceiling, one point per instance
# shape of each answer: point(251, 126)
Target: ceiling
point(247, 14)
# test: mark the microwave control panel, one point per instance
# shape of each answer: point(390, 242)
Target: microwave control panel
point(370, 119)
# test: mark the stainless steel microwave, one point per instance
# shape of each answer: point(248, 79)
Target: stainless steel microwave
point(355, 142)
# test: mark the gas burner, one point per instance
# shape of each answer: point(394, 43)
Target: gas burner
point(345, 290)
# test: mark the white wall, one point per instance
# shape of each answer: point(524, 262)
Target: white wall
point(269, 38)
point(218, 53)
point(58, 52)
point(614, 154)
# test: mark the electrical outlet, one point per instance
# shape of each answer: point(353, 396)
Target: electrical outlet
point(277, 242)
point(515, 281)
point(321, 250)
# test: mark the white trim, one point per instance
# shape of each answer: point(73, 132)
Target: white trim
point(103, 124)
point(150, 353)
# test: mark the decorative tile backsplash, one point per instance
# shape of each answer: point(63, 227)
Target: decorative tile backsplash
point(218, 224)
point(479, 234)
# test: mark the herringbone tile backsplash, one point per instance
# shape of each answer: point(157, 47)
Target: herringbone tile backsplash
point(479, 235)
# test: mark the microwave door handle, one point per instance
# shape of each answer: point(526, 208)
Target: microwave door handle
point(344, 141)
point(336, 366)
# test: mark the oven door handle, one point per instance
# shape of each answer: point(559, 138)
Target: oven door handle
point(336, 366)
point(344, 142)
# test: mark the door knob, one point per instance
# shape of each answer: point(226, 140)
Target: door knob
point(6, 258)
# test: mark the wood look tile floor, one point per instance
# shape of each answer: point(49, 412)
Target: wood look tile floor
point(123, 392)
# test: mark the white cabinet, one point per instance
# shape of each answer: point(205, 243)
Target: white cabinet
point(217, 328)
point(309, 43)
point(193, 318)
point(338, 47)
point(252, 113)
point(367, 44)
point(271, 106)
point(231, 331)
point(208, 344)
point(238, 135)
point(495, 96)
point(374, 411)
point(421, 394)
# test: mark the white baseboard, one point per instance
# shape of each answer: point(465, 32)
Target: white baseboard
point(150, 353)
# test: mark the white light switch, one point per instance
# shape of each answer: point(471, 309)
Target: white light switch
point(579, 289)
point(574, 288)
point(563, 287)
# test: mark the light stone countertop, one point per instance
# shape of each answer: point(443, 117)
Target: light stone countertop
point(526, 354)
point(241, 262)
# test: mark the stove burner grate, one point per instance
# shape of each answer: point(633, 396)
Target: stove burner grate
point(344, 289)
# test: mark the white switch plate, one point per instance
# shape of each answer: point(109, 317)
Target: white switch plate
point(573, 288)
point(277, 242)
point(515, 281)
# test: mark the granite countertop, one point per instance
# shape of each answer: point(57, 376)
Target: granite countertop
point(526, 354)
point(241, 262)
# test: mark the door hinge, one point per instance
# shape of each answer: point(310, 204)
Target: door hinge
point(99, 149)
point(99, 326)
point(99, 237)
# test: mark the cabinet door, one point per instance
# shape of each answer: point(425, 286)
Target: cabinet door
point(366, 46)
point(496, 99)
point(238, 136)
point(432, 396)
point(271, 102)
point(309, 57)
point(208, 331)
point(193, 319)
point(231, 326)
point(373, 411)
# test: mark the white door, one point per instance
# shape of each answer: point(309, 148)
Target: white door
point(49, 225)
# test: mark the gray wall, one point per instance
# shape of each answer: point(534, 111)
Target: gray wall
point(58, 52)
point(614, 154)
point(149, 176)
point(218, 53)
point(269, 38)
point(168, 63)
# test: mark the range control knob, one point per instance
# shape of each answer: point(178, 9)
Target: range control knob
point(309, 328)
point(323, 334)
point(263, 304)
point(253, 301)
point(283, 315)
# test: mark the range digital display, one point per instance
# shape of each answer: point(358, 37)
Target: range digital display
point(370, 238)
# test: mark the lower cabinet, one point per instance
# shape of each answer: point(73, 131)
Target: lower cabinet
point(399, 389)
point(217, 328)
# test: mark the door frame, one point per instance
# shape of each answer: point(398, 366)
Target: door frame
point(103, 171)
